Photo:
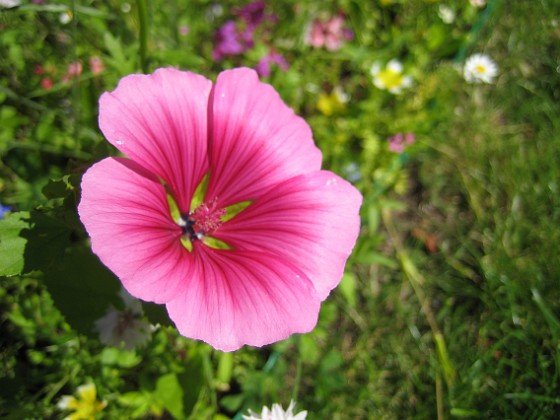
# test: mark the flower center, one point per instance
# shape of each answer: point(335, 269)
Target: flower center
point(390, 78)
point(480, 69)
point(203, 221)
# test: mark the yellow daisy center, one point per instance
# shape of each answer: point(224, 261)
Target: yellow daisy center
point(480, 69)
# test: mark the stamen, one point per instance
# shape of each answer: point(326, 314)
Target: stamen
point(203, 221)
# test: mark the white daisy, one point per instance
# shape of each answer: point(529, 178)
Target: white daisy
point(277, 413)
point(391, 77)
point(480, 68)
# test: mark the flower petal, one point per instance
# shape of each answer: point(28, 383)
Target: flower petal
point(160, 121)
point(255, 139)
point(311, 220)
point(125, 211)
point(235, 298)
point(395, 65)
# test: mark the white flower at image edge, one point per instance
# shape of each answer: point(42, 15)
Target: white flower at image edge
point(8, 4)
point(391, 77)
point(277, 413)
point(480, 68)
point(125, 327)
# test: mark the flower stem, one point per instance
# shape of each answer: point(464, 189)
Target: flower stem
point(143, 23)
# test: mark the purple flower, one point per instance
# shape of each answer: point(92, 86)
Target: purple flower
point(254, 14)
point(237, 36)
point(272, 57)
point(229, 41)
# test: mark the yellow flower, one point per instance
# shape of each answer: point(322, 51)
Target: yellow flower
point(85, 406)
point(333, 103)
point(391, 77)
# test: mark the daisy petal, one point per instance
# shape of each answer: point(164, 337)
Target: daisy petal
point(160, 121)
point(233, 298)
point(255, 139)
point(395, 65)
point(311, 220)
point(125, 211)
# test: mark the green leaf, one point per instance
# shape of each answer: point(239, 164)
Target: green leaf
point(112, 356)
point(232, 403)
point(170, 394)
point(156, 314)
point(12, 244)
point(82, 288)
point(56, 188)
point(308, 348)
point(192, 380)
point(47, 240)
point(348, 288)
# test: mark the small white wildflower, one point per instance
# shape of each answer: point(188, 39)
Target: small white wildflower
point(8, 4)
point(277, 413)
point(391, 77)
point(446, 14)
point(125, 327)
point(65, 17)
point(480, 68)
point(342, 96)
point(478, 3)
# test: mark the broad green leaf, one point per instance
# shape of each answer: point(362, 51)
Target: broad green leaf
point(47, 240)
point(193, 381)
point(56, 188)
point(12, 244)
point(82, 288)
point(156, 314)
point(170, 394)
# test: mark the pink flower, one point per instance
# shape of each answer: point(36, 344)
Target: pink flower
point(399, 141)
point(47, 83)
point(330, 34)
point(272, 57)
point(96, 65)
point(74, 71)
point(285, 252)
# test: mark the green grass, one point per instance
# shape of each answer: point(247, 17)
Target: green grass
point(486, 187)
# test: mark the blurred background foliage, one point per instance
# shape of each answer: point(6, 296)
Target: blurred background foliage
point(450, 303)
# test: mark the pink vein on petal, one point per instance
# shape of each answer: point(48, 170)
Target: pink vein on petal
point(125, 211)
point(311, 220)
point(235, 298)
point(255, 139)
point(160, 121)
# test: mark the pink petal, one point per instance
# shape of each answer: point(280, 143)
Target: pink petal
point(311, 220)
point(235, 298)
point(125, 211)
point(160, 121)
point(255, 139)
